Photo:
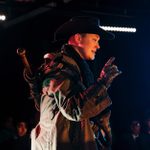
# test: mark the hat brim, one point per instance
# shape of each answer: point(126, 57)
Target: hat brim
point(106, 35)
point(57, 43)
point(70, 28)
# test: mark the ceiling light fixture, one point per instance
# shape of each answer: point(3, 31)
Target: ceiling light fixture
point(2, 17)
point(119, 29)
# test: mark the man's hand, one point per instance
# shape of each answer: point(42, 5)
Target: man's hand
point(109, 72)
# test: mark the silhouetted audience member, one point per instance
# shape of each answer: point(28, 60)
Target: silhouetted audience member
point(23, 137)
point(7, 133)
point(130, 140)
point(145, 137)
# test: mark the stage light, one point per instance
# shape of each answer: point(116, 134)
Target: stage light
point(2, 17)
point(119, 29)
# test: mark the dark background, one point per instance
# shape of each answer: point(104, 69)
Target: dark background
point(31, 24)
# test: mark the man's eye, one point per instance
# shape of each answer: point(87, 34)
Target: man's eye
point(95, 40)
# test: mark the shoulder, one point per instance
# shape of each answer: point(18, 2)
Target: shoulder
point(60, 67)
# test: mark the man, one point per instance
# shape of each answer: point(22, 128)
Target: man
point(145, 136)
point(130, 140)
point(22, 141)
point(65, 92)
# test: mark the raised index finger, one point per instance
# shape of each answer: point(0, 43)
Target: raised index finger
point(110, 61)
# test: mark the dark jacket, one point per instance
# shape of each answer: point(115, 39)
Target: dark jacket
point(69, 99)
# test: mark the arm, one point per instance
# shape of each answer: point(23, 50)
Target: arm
point(75, 102)
point(29, 78)
point(83, 103)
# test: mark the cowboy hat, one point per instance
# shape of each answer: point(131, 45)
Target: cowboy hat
point(81, 24)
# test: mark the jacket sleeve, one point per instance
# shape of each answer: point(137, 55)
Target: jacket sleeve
point(35, 88)
point(79, 103)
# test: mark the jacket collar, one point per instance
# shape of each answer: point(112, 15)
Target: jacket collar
point(86, 73)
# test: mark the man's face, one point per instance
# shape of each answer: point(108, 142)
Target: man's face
point(22, 129)
point(135, 127)
point(88, 45)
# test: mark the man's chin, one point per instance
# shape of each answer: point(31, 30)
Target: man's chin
point(92, 58)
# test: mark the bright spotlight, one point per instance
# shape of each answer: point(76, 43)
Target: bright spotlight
point(2, 17)
point(119, 29)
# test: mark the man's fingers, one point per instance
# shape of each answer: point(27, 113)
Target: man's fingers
point(113, 71)
point(110, 61)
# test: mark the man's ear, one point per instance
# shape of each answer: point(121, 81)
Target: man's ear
point(77, 38)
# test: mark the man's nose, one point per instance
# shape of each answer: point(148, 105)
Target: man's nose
point(98, 46)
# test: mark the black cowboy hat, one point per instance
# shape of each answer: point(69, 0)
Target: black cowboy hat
point(81, 24)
